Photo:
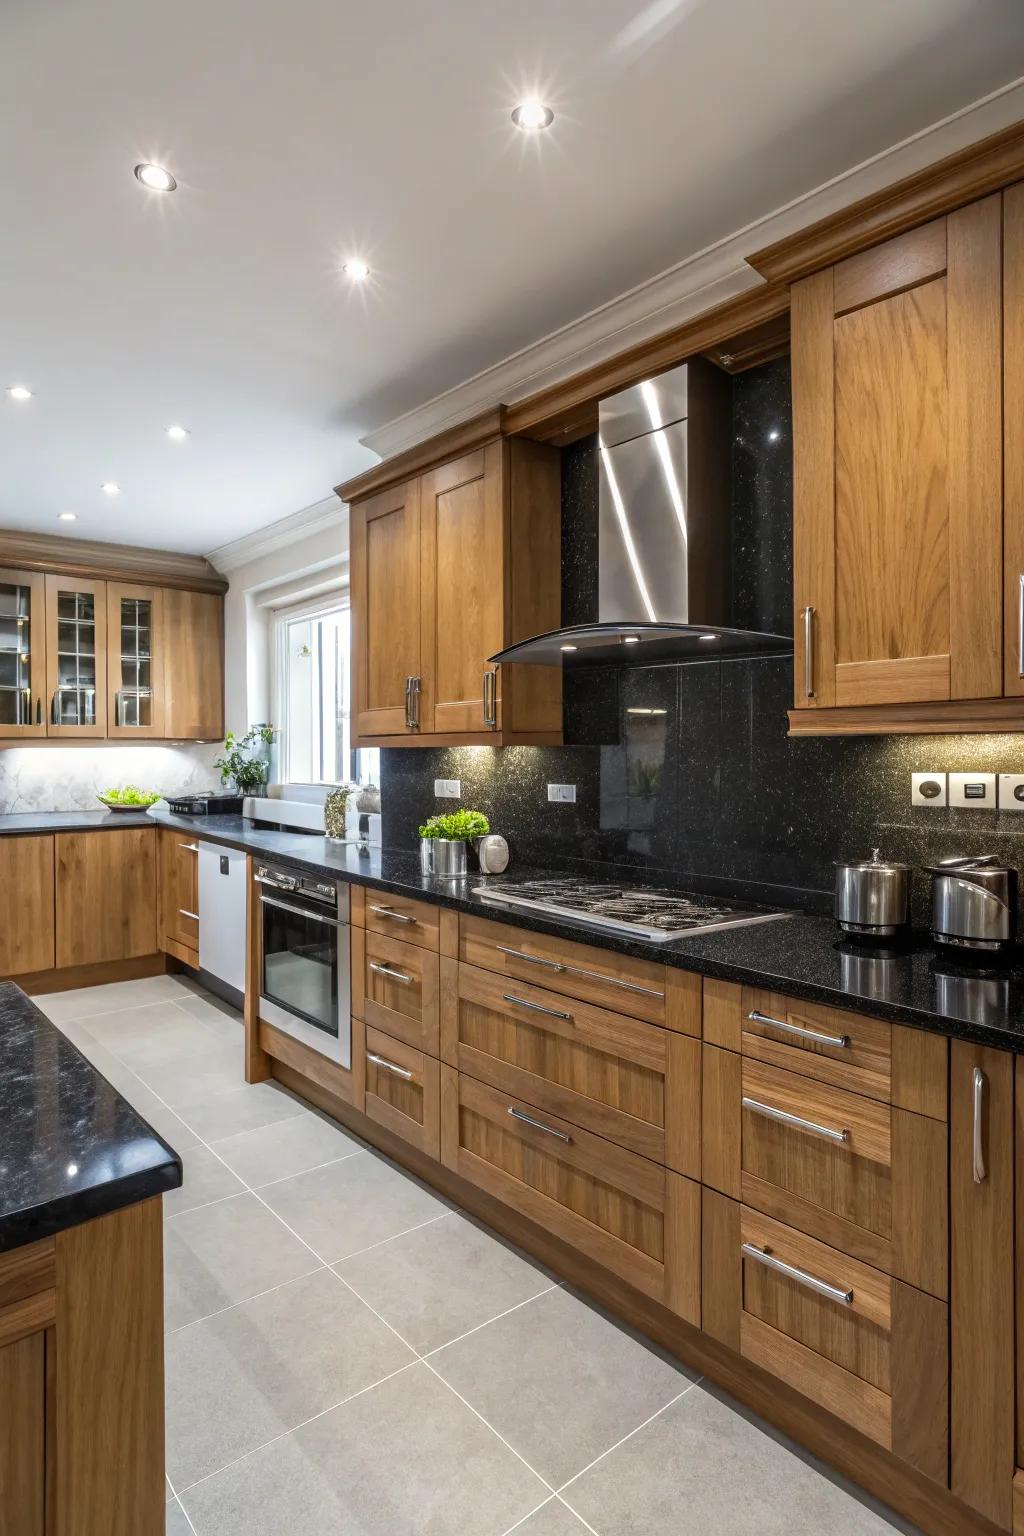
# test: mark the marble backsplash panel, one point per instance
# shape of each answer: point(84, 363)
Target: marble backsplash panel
point(68, 778)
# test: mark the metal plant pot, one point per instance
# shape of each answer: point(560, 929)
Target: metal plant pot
point(443, 858)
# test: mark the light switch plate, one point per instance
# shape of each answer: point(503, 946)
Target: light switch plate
point(928, 789)
point(447, 789)
point(1011, 791)
point(973, 791)
point(563, 793)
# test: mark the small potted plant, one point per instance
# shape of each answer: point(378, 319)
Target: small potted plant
point(244, 764)
point(443, 842)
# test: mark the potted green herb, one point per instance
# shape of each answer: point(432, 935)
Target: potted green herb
point(443, 841)
point(244, 764)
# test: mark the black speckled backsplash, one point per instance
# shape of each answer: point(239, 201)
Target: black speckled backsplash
point(710, 791)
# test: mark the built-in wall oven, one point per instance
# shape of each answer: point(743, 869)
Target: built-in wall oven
point(304, 960)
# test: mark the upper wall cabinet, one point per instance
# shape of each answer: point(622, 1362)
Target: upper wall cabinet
point(898, 500)
point(22, 653)
point(448, 568)
point(135, 642)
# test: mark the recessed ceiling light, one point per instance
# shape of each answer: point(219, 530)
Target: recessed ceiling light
point(532, 114)
point(155, 177)
point(178, 434)
point(357, 270)
point(111, 487)
point(20, 392)
point(68, 517)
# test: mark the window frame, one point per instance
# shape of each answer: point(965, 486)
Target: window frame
point(311, 608)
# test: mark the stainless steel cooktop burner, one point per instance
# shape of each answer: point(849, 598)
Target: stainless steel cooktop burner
point(643, 911)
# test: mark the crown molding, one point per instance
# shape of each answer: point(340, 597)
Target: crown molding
point(704, 280)
point(99, 558)
point(266, 541)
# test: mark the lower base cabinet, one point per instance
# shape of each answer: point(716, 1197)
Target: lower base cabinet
point(106, 895)
point(401, 1089)
point(26, 905)
point(635, 1217)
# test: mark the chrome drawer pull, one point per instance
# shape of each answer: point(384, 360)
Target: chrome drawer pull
point(1020, 626)
point(809, 652)
point(522, 1002)
point(799, 1029)
point(795, 1121)
point(577, 970)
point(767, 1258)
point(389, 1066)
point(391, 973)
point(538, 1125)
point(395, 917)
point(978, 1095)
point(183, 913)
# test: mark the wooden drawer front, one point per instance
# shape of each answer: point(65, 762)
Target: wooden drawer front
point(830, 1044)
point(864, 1346)
point(402, 1091)
point(636, 987)
point(401, 917)
point(630, 1215)
point(600, 1070)
point(401, 991)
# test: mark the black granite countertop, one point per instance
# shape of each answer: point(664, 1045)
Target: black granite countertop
point(70, 821)
point(71, 1147)
point(800, 955)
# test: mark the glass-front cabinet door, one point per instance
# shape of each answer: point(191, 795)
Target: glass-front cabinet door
point(134, 660)
point(76, 656)
point(22, 654)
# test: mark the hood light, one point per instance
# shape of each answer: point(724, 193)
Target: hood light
point(568, 647)
point(637, 710)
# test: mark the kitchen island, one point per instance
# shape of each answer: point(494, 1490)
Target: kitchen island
point(81, 1291)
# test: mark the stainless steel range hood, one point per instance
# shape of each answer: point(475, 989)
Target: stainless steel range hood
point(664, 557)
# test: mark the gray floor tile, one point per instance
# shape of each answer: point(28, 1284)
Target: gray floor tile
point(206, 1179)
point(701, 1467)
point(177, 1525)
point(217, 1115)
point(348, 1206)
point(245, 1376)
point(559, 1382)
point(212, 1010)
point(211, 1067)
point(154, 1031)
point(289, 1147)
point(553, 1519)
point(225, 1253)
point(152, 1109)
point(442, 1280)
point(177, 1040)
point(404, 1459)
point(83, 1002)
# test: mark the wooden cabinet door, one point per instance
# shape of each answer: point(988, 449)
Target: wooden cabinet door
point(135, 670)
point(981, 1204)
point(76, 656)
point(897, 415)
point(26, 905)
point(23, 1435)
point(402, 1088)
point(463, 515)
point(387, 582)
point(22, 654)
point(1013, 439)
point(105, 895)
point(193, 664)
point(179, 893)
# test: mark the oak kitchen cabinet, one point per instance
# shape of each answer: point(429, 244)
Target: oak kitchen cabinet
point(449, 567)
point(178, 914)
point(898, 514)
point(106, 896)
point(26, 904)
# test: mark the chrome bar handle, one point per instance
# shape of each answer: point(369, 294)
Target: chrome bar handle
point(522, 1002)
point(490, 697)
point(578, 970)
point(119, 709)
point(1020, 624)
point(412, 714)
point(39, 709)
point(389, 1066)
point(817, 1035)
point(390, 972)
point(809, 652)
point(392, 915)
point(796, 1121)
point(765, 1256)
point(538, 1125)
point(978, 1096)
point(193, 915)
point(54, 715)
point(520, 954)
point(314, 917)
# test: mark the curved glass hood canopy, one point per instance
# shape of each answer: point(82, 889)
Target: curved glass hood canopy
point(664, 533)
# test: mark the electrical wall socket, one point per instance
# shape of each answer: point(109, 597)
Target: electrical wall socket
point(973, 791)
point(1011, 791)
point(928, 789)
point(565, 793)
point(447, 789)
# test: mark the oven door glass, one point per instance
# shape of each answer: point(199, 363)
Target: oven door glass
point(300, 963)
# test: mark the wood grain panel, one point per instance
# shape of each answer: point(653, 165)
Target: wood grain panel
point(903, 680)
point(814, 481)
point(57, 589)
point(106, 895)
point(721, 1088)
point(920, 1071)
point(386, 583)
point(721, 1270)
point(838, 1391)
point(682, 1292)
point(683, 1091)
point(919, 1373)
point(862, 1064)
point(408, 1106)
point(406, 1009)
point(26, 905)
point(193, 665)
point(122, 592)
point(29, 1315)
point(110, 1467)
point(403, 917)
point(24, 1271)
point(683, 1001)
point(723, 1015)
point(892, 267)
point(920, 1215)
point(23, 1436)
point(1013, 440)
point(954, 716)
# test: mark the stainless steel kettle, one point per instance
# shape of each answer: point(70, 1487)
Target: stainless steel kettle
point(974, 903)
point(872, 897)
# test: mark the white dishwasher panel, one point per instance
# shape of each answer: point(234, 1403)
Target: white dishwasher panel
point(222, 913)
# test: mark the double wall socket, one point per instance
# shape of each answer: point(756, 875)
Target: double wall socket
point(448, 789)
point(970, 791)
point(565, 793)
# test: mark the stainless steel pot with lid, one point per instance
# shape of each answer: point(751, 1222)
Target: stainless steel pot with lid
point(873, 897)
point(974, 903)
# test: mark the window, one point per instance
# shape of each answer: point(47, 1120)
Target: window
point(313, 690)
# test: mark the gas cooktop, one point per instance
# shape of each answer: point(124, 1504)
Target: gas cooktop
point(643, 911)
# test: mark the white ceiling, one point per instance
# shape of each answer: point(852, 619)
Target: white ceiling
point(303, 131)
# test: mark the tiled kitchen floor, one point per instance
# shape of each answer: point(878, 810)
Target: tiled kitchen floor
point(349, 1356)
